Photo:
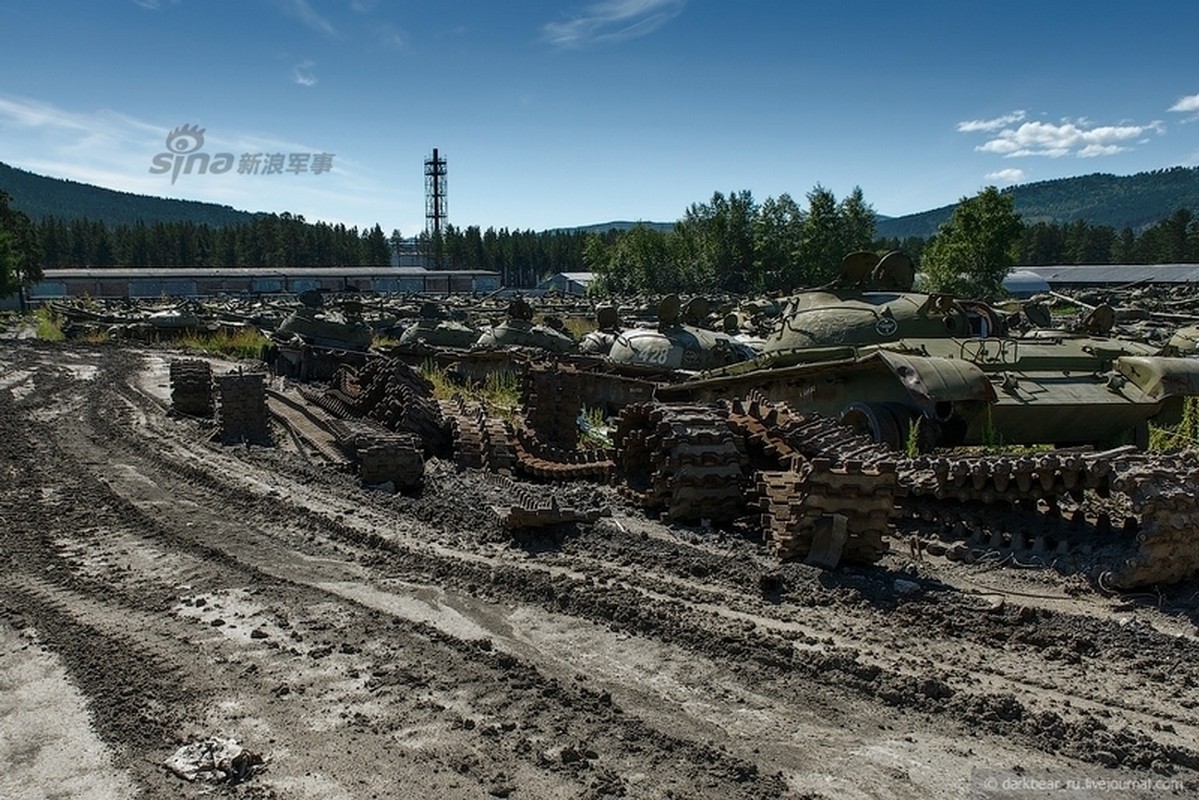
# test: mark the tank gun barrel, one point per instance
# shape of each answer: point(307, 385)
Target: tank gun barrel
point(1072, 300)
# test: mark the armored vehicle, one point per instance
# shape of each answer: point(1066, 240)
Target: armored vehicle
point(323, 327)
point(313, 341)
point(599, 341)
point(518, 330)
point(436, 330)
point(677, 343)
point(882, 358)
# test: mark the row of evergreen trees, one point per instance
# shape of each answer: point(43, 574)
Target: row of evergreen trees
point(730, 243)
point(1172, 241)
point(284, 240)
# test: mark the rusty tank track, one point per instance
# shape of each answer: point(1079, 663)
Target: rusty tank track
point(480, 441)
point(1129, 518)
point(191, 387)
point(534, 509)
point(683, 461)
point(815, 476)
point(552, 398)
point(821, 491)
point(536, 459)
point(389, 392)
point(1125, 517)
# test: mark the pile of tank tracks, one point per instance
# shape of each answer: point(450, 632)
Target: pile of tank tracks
point(816, 490)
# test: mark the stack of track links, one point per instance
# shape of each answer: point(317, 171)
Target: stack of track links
point(242, 412)
point(191, 387)
point(395, 458)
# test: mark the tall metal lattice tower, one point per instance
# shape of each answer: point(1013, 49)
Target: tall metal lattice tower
point(435, 193)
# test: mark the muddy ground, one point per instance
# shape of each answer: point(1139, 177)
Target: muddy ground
point(159, 589)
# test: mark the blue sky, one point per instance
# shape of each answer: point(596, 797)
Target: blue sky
point(555, 114)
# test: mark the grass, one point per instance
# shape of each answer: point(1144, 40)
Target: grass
point(49, 325)
point(593, 434)
point(911, 447)
point(384, 342)
point(444, 387)
point(578, 327)
point(499, 391)
point(244, 343)
point(1178, 437)
point(992, 436)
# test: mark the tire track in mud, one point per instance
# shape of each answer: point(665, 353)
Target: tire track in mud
point(550, 736)
point(585, 588)
point(572, 581)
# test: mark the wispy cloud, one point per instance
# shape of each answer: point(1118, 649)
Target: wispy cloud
point(612, 21)
point(113, 150)
point(302, 73)
point(1187, 105)
point(388, 35)
point(1006, 175)
point(1081, 138)
point(305, 13)
point(975, 125)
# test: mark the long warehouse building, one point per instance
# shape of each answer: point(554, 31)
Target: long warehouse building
point(207, 282)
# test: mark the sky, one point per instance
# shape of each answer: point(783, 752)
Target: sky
point(576, 112)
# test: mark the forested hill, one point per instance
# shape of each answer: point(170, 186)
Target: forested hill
point(38, 196)
point(1131, 201)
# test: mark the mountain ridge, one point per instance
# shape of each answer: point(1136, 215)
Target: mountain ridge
point(1133, 201)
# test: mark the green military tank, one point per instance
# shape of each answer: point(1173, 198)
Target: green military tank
point(607, 327)
point(883, 358)
point(1184, 342)
point(678, 343)
point(436, 329)
point(314, 324)
point(313, 341)
point(519, 330)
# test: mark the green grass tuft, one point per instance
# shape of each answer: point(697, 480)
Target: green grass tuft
point(49, 325)
point(1177, 437)
point(243, 343)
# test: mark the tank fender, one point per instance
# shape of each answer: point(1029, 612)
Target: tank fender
point(1160, 377)
point(933, 380)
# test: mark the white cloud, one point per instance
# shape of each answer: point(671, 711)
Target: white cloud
point(1079, 138)
point(302, 73)
point(1006, 175)
point(1186, 104)
point(301, 10)
point(612, 21)
point(971, 126)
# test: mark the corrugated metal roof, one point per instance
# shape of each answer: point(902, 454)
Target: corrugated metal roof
point(1117, 273)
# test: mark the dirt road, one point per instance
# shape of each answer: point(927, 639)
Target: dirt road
point(161, 589)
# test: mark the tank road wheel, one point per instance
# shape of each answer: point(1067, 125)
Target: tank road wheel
point(874, 420)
